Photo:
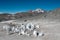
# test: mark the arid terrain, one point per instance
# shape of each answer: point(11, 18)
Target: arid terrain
point(49, 25)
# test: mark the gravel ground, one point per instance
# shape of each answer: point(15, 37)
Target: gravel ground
point(50, 28)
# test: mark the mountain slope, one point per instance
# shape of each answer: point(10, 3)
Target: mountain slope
point(55, 14)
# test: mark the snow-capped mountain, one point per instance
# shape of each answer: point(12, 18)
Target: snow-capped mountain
point(38, 10)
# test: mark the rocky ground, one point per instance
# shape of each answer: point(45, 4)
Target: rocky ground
point(50, 28)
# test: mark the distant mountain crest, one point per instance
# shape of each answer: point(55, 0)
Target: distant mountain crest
point(38, 10)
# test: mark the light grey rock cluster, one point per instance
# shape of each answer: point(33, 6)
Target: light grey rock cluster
point(23, 29)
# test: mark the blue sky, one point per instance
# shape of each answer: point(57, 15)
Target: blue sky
point(13, 6)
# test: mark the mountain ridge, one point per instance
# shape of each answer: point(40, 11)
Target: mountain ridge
point(54, 14)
